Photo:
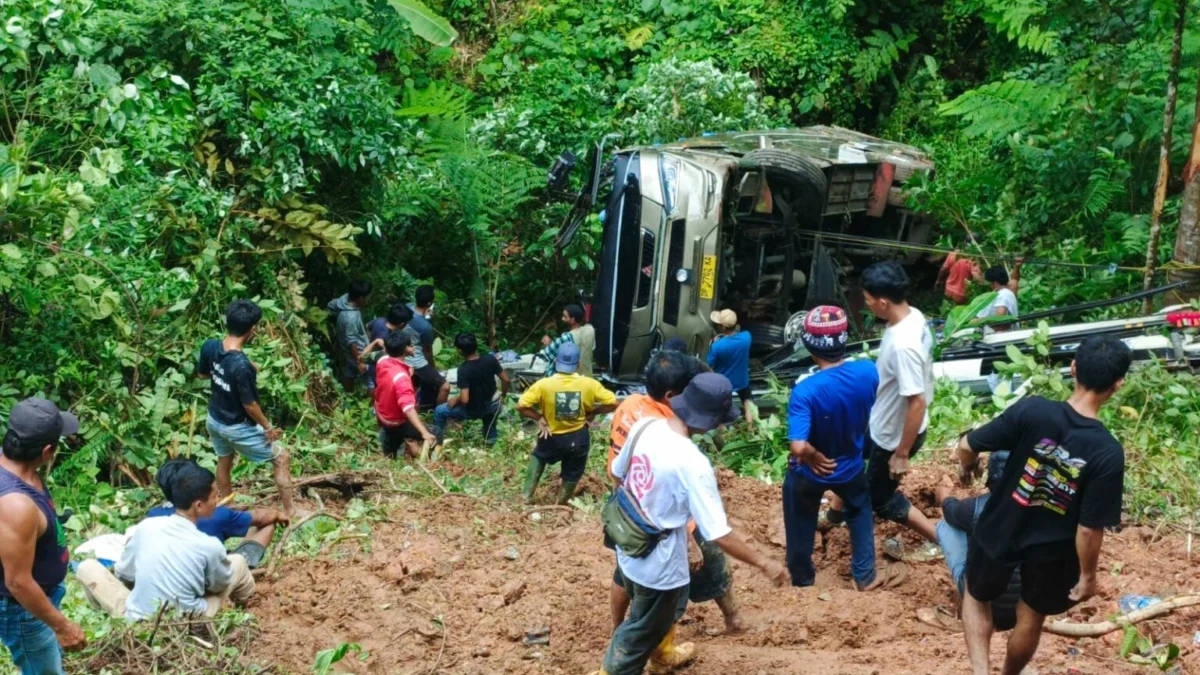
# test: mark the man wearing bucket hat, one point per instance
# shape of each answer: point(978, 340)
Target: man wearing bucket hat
point(562, 405)
point(827, 425)
point(729, 355)
point(33, 547)
point(672, 482)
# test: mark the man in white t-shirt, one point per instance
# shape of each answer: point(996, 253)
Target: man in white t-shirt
point(673, 481)
point(901, 411)
point(1005, 302)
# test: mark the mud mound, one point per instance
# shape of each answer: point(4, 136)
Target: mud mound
point(451, 586)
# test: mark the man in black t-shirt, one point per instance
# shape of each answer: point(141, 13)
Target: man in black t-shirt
point(236, 422)
point(476, 391)
point(1061, 487)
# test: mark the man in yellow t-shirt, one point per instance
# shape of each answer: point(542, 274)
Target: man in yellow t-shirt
point(561, 405)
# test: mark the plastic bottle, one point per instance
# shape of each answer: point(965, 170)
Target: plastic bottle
point(1132, 603)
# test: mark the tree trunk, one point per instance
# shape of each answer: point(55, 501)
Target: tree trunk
point(1164, 156)
point(1187, 239)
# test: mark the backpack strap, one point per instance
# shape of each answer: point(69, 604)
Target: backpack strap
point(631, 443)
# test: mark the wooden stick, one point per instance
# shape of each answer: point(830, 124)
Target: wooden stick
point(1068, 629)
point(433, 478)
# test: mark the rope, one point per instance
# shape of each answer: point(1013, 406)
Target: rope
point(926, 248)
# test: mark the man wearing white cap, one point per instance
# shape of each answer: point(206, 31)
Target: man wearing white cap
point(33, 547)
point(729, 355)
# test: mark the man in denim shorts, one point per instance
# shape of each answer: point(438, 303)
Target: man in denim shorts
point(236, 422)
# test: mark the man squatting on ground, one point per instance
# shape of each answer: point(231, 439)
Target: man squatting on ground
point(711, 578)
point(672, 482)
point(563, 406)
point(400, 425)
point(33, 546)
point(476, 399)
point(170, 562)
point(256, 527)
point(236, 423)
point(1061, 487)
point(955, 530)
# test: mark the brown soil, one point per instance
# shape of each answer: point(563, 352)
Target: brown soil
point(443, 563)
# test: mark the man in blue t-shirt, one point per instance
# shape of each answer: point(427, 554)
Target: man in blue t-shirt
point(827, 422)
point(729, 355)
point(256, 526)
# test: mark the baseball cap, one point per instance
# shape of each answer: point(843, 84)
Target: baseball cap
point(36, 420)
point(825, 332)
point(726, 318)
point(706, 403)
point(568, 358)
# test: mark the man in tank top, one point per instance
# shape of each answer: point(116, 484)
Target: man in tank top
point(33, 547)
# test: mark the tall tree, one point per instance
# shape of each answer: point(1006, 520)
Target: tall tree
point(1164, 158)
point(1187, 239)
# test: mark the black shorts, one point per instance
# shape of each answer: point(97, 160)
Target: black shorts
point(571, 449)
point(745, 395)
point(392, 439)
point(710, 582)
point(1045, 586)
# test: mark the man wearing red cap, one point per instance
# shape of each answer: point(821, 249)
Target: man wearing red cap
point(827, 425)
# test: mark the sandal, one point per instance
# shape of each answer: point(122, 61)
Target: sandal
point(888, 576)
point(894, 548)
point(940, 617)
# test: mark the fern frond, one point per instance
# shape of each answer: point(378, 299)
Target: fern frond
point(1001, 108)
point(1100, 191)
point(1018, 21)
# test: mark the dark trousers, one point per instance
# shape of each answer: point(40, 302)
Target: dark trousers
point(429, 383)
point(886, 499)
point(801, 504)
point(651, 615)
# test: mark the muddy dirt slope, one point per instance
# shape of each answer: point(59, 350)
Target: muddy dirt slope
point(454, 586)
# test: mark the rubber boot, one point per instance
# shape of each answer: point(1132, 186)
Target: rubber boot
point(533, 474)
point(567, 491)
point(668, 656)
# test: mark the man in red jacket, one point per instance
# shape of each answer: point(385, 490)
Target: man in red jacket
point(396, 400)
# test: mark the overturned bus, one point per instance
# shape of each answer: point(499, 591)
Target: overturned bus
point(735, 221)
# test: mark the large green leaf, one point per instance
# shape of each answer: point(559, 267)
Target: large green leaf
point(425, 22)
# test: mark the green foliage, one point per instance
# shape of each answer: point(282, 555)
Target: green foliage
point(425, 22)
point(323, 664)
point(958, 318)
point(683, 99)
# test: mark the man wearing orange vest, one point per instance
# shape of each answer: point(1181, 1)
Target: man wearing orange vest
point(711, 577)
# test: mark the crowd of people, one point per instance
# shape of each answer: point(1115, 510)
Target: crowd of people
point(1027, 549)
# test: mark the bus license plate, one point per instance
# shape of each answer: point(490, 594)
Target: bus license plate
point(708, 277)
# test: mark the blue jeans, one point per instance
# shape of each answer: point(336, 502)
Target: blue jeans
point(246, 439)
point(954, 546)
point(801, 505)
point(32, 643)
point(445, 413)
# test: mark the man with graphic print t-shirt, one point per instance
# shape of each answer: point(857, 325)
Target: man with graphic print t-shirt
point(562, 406)
point(1060, 488)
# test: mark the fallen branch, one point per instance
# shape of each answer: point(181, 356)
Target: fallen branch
point(288, 534)
point(433, 478)
point(1068, 629)
point(551, 507)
